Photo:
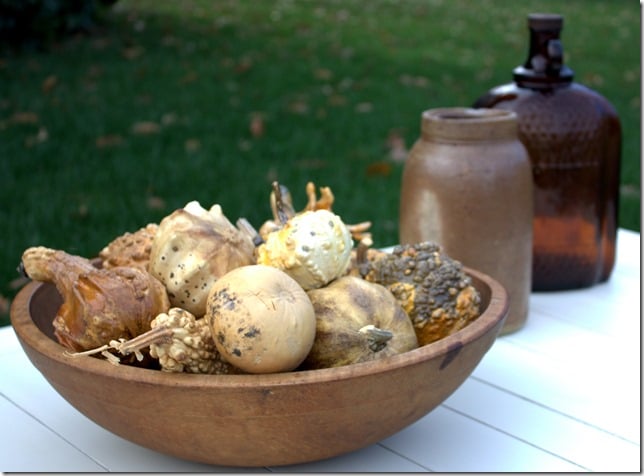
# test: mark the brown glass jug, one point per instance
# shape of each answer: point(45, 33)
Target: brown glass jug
point(573, 138)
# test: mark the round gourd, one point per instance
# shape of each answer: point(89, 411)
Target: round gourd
point(357, 321)
point(261, 319)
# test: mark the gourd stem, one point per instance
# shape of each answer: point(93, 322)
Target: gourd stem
point(376, 337)
point(282, 216)
point(362, 250)
point(124, 347)
point(153, 336)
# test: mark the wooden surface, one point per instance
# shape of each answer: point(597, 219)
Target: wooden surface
point(562, 394)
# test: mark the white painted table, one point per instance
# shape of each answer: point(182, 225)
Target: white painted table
point(562, 394)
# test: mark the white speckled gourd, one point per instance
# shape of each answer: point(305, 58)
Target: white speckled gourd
point(313, 247)
point(192, 248)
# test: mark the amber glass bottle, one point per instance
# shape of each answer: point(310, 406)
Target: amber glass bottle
point(573, 138)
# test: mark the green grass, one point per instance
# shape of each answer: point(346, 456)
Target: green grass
point(331, 81)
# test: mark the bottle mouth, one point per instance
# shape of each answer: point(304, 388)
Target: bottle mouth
point(545, 21)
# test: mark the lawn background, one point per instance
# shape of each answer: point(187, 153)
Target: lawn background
point(168, 102)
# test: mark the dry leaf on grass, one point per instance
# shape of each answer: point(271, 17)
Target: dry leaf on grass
point(24, 117)
point(189, 77)
point(396, 144)
point(416, 81)
point(155, 203)
point(49, 83)
point(109, 140)
point(41, 136)
point(145, 128)
point(192, 145)
point(256, 125)
point(380, 168)
point(132, 52)
point(168, 118)
point(323, 74)
point(298, 107)
point(364, 107)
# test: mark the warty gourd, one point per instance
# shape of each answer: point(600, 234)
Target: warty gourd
point(192, 248)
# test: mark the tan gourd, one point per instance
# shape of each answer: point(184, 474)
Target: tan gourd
point(191, 249)
point(261, 319)
point(357, 321)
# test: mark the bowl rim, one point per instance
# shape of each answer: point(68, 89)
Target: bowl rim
point(30, 335)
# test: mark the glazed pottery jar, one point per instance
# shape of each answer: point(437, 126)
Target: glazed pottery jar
point(573, 138)
point(467, 185)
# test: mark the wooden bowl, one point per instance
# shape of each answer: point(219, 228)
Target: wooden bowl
point(258, 420)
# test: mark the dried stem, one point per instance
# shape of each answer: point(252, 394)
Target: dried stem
point(377, 337)
point(281, 208)
point(124, 347)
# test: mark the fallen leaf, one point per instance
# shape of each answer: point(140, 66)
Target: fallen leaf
point(396, 144)
point(364, 107)
point(109, 140)
point(25, 117)
point(298, 107)
point(132, 52)
point(145, 128)
point(380, 168)
point(49, 83)
point(256, 125)
point(244, 65)
point(323, 74)
point(82, 211)
point(156, 203)
point(168, 118)
point(192, 145)
point(244, 145)
point(416, 81)
point(41, 136)
point(189, 77)
point(337, 100)
point(310, 163)
point(94, 71)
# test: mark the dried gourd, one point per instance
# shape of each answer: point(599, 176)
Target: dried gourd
point(262, 321)
point(192, 248)
point(357, 321)
point(313, 247)
point(99, 305)
point(431, 287)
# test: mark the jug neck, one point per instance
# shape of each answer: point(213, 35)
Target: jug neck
point(544, 67)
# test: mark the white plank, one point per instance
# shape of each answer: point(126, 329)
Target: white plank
point(601, 396)
point(118, 454)
point(551, 431)
point(27, 446)
point(562, 340)
point(448, 441)
point(8, 341)
point(609, 308)
point(629, 251)
point(23, 384)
